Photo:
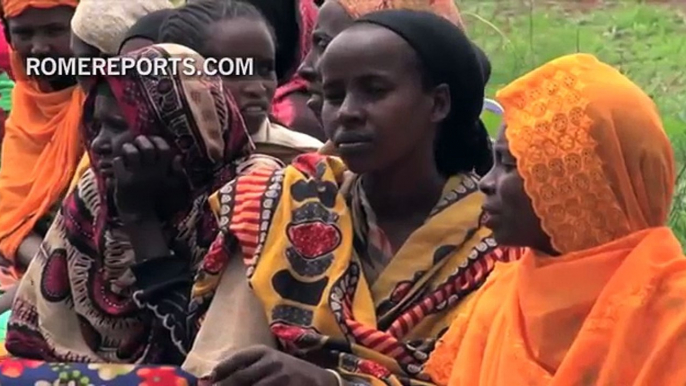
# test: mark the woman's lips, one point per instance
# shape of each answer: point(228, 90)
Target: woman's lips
point(491, 217)
point(254, 110)
point(352, 148)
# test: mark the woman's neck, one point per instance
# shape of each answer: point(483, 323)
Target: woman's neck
point(403, 190)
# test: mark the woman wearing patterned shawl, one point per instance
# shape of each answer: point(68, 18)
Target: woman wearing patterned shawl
point(361, 263)
point(584, 178)
point(91, 294)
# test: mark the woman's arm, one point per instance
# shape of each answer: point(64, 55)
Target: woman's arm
point(7, 298)
point(235, 320)
point(28, 249)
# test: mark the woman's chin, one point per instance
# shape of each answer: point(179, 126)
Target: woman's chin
point(254, 122)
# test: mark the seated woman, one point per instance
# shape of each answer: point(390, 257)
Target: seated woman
point(583, 178)
point(41, 132)
point(235, 29)
point(91, 294)
point(360, 264)
point(142, 33)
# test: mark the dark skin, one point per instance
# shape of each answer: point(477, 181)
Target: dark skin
point(137, 171)
point(372, 93)
point(305, 121)
point(331, 21)
point(246, 38)
point(43, 33)
point(82, 49)
point(287, 51)
point(7, 299)
point(511, 215)
point(243, 38)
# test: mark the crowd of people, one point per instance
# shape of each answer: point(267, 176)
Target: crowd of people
point(340, 216)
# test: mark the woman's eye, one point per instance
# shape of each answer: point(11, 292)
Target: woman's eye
point(333, 96)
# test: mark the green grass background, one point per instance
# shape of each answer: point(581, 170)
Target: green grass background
point(646, 40)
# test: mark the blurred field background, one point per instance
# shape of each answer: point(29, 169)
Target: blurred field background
point(646, 40)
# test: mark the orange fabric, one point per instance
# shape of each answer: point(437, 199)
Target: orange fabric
point(610, 310)
point(41, 148)
point(445, 8)
point(11, 8)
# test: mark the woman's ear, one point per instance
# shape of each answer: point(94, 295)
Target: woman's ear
point(441, 103)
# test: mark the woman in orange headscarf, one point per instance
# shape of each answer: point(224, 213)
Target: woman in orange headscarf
point(42, 143)
point(583, 178)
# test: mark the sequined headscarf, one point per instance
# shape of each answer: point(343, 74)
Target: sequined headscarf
point(610, 309)
point(592, 151)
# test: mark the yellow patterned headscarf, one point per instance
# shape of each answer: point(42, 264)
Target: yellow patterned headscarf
point(445, 8)
point(592, 151)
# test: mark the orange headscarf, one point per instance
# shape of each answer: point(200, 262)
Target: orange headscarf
point(610, 310)
point(445, 8)
point(41, 147)
point(11, 8)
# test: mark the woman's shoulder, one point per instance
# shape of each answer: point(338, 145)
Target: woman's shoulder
point(284, 136)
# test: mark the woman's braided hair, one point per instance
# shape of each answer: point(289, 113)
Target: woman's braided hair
point(188, 26)
point(462, 147)
point(446, 56)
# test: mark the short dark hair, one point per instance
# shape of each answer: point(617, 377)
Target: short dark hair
point(188, 25)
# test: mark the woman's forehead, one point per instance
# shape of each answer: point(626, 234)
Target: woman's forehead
point(332, 19)
point(368, 44)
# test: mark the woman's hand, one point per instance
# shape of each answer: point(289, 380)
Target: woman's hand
point(139, 173)
point(264, 366)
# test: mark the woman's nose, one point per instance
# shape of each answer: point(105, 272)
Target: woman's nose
point(40, 46)
point(255, 89)
point(101, 144)
point(487, 182)
point(307, 68)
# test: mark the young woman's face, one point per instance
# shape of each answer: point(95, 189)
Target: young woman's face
point(376, 110)
point(246, 38)
point(111, 131)
point(42, 33)
point(331, 20)
point(510, 213)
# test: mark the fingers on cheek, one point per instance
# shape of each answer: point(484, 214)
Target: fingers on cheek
point(119, 141)
point(146, 148)
point(130, 155)
point(160, 143)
